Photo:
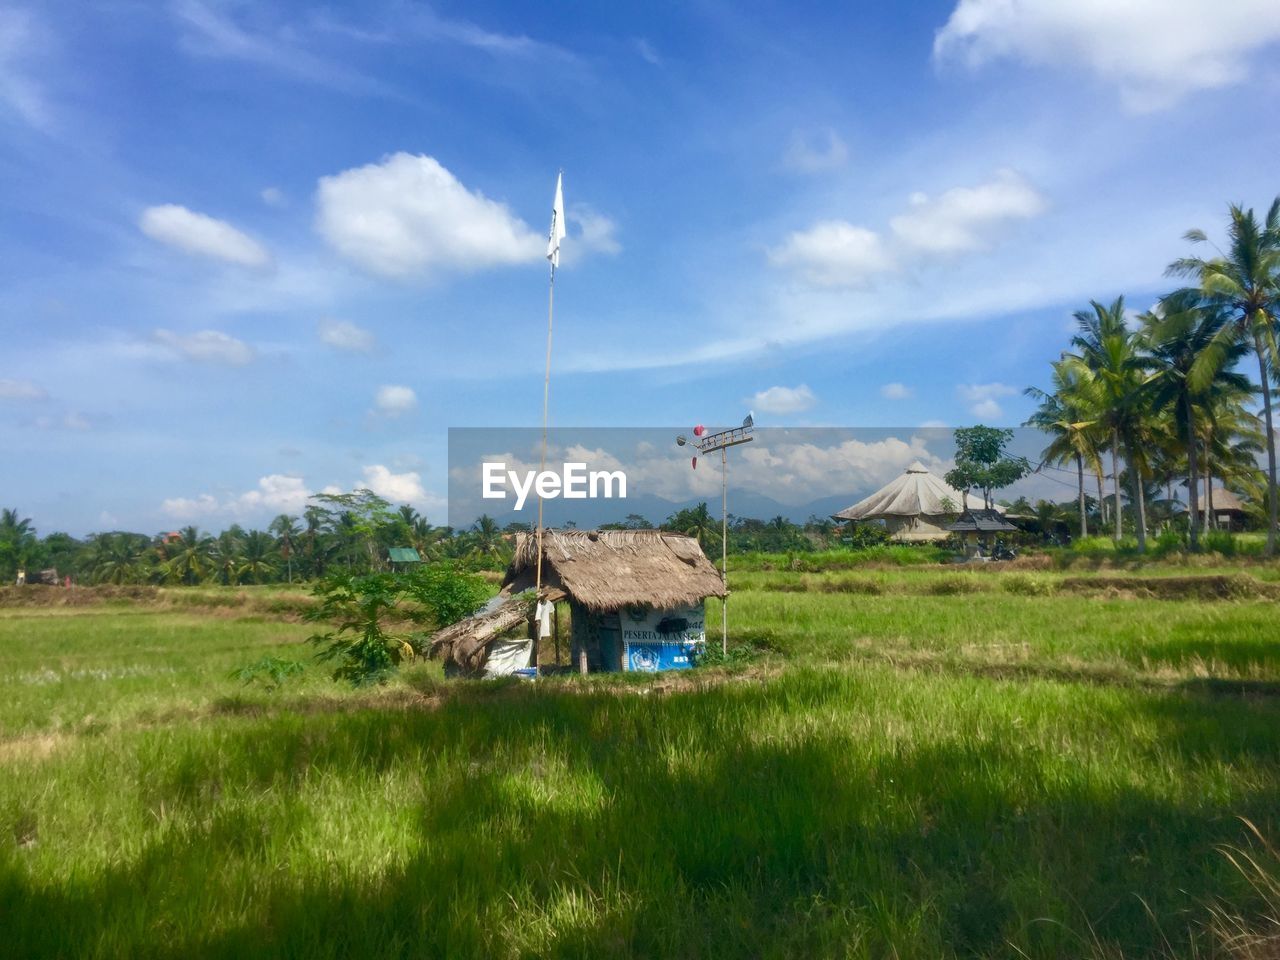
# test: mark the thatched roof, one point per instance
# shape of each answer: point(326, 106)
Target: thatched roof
point(1223, 501)
point(611, 569)
point(466, 642)
point(916, 493)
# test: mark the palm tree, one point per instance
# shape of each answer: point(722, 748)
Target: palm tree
point(287, 533)
point(696, 522)
point(224, 555)
point(187, 556)
point(116, 558)
point(1065, 415)
point(257, 560)
point(1181, 337)
point(1245, 281)
point(1108, 349)
point(486, 537)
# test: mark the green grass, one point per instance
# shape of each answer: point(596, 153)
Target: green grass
point(949, 763)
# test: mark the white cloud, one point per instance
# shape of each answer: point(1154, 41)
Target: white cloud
point(963, 219)
point(207, 32)
point(207, 346)
point(409, 215)
point(393, 400)
point(982, 398)
point(816, 153)
point(595, 234)
point(277, 492)
point(396, 487)
point(783, 399)
point(647, 53)
point(71, 420)
point(1157, 51)
point(21, 390)
point(185, 508)
point(344, 335)
point(834, 253)
point(202, 235)
point(272, 196)
point(20, 35)
point(896, 391)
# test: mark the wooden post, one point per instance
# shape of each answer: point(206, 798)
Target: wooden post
point(555, 629)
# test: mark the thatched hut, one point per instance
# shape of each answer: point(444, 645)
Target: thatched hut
point(914, 507)
point(1227, 511)
point(635, 598)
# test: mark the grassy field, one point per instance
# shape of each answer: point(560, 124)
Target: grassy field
point(915, 762)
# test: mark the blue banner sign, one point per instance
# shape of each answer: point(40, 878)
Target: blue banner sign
point(662, 639)
point(650, 657)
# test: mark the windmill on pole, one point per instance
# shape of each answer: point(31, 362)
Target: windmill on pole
point(706, 443)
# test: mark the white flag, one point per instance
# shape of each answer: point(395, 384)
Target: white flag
point(557, 225)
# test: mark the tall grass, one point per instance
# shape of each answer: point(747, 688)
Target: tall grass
point(914, 772)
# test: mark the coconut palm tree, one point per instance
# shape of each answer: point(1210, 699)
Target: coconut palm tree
point(1188, 369)
point(486, 537)
point(287, 533)
point(257, 559)
point(1244, 280)
point(116, 558)
point(188, 556)
point(224, 555)
point(1065, 415)
point(1108, 348)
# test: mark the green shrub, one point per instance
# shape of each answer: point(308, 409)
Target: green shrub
point(955, 583)
point(1094, 546)
point(1219, 541)
point(1026, 585)
point(1167, 543)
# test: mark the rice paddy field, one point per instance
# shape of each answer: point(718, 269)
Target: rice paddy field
point(892, 762)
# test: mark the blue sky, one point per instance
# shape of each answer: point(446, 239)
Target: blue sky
point(250, 251)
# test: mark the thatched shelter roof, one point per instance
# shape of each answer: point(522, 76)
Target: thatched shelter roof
point(1224, 501)
point(915, 493)
point(466, 643)
point(611, 569)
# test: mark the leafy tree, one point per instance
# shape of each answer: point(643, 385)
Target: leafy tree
point(1188, 367)
point(17, 541)
point(1244, 280)
point(361, 609)
point(357, 607)
point(981, 461)
point(446, 592)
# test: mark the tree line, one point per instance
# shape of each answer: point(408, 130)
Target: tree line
point(1166, 391)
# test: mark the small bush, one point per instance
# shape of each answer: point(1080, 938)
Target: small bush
point(952, 584)
point(1166, 544)
point(270, 673)
point(1094, 546)
point(1026, 585)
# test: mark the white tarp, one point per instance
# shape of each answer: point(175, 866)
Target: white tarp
point(508, 656)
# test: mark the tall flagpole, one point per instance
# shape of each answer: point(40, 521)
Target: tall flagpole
point(553, 255)
point(546, 396)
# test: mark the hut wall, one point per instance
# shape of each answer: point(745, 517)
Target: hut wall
point(598, 634)
point(923, 528)
point(639, 638)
